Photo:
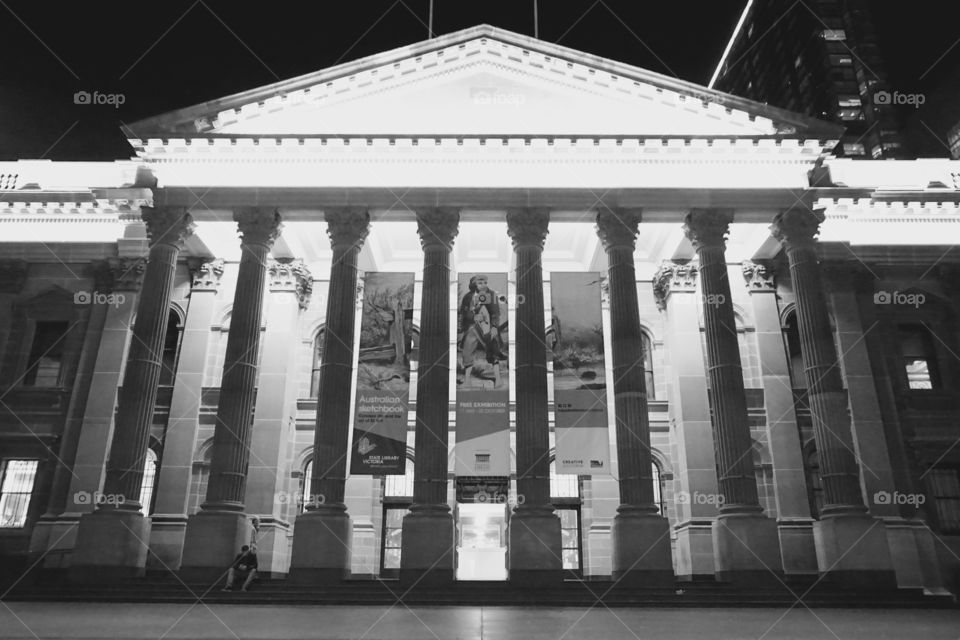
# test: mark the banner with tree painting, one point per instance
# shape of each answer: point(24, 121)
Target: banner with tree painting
point(575, 337)
point(383, 375)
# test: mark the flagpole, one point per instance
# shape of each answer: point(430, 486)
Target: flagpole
point(430, 22)
point(536, 21)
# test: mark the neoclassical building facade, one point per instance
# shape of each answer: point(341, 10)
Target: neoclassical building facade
point(180, 333)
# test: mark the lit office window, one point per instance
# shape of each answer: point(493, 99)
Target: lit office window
point(919, 357)
point(16, 488)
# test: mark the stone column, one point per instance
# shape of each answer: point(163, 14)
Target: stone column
point(674, 287)
point(851, 545)
point(534, 529)
point(640, 535)
point(291, 284)
point(745, 541)
point(112, 541)
point(428, 542)
point(215, 534)
point(321, 540)
point(789, 481)
point(169, 519)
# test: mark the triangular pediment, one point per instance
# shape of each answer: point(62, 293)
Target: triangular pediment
point(483, 81)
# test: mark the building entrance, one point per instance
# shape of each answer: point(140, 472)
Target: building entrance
point(482, 541)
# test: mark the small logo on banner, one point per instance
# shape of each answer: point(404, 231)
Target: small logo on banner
point(365, 446)
point(596, 464)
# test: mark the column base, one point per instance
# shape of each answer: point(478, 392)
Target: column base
point(211, 542)
point(273, 547)
point(321, 546)
point(427, 546)
point(534, 547)
point(111, 546)
point(167, 534)
point(695, 550)
point(852, 550)
point(641, 549)
point(797, 549)
point(747, 548)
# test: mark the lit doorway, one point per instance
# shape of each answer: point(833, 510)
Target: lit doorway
point(481, 541)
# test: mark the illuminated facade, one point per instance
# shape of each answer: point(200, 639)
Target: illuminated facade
point(780, 378)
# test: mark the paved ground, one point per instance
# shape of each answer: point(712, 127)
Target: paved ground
point(175, 621)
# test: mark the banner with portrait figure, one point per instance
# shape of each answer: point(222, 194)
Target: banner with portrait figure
point(383, 375)
point(483, 385)
point(575, 340)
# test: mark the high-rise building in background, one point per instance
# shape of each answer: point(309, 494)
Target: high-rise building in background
point(820, 58)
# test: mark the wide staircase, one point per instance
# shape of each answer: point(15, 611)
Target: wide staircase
point(799, 591)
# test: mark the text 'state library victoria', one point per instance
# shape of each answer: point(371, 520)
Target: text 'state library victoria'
point(482, 308)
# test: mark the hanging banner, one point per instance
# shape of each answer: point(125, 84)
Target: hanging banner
point(383, 375)
point(575, 337)
point(483, 385)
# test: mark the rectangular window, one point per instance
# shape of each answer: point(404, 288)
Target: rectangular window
point(945, 487)
point(16, 488)
point(392, 532)
point(570, 538)
point(46, 355)
point(919, 357)
point(834, 35)
point(853, 149)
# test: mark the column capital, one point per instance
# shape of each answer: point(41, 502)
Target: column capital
point(291, 275)
point(167, 225)
point(759, 277)
point(13, 275)
point(347, 226)
point(672, 277)
point(618, 227)
point(528, 227)
point(258, 225)
point(438, 227)
point(708, 227)
point(119, 274)
point(205, 274)
point(797, 227)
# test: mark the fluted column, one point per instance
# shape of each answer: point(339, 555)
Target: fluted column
point(428, 534)
point(851, 546)
point(118, 545)
point(641, 537)
point(534, 529)
point(745, 542)
point(220, 528)
point(321, 541)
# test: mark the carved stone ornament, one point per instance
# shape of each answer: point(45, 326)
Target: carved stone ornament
point(758, 276)
point(618, 227)
point(528, 227)
point(291, 275)
point(205, 274)
point(119, 274)
point(438, 226)
point(347, 226)
point(708, 227)
point(167, 225)
point(13, 275)
point(672, 277)
point(258, 225)
point(797, 227)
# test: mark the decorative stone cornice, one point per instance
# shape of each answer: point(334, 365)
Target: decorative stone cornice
point(258, 225)
point(119, 274)
point(797, 227)
point(673, 277)
point(291, 275)
point(759, 277)
point(618, 227)
point(605, 289)
point(13, 275)
point(347, 226)
point(205, 274)
point(167, 225)
point(528, 228)
point(438, 227)
point(708, 227)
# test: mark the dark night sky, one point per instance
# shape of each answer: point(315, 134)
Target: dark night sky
point(166, 55)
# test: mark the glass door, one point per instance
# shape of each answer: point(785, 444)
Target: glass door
point(481, 541)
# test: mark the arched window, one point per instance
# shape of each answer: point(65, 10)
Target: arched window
point(791, 334)
point(814, 482)
point(565, 496)
point(306, 481)
point(171, 349)
point(317, 359)
point(658, 489)
point(149, 482)
point(397, 500)
point(919, 356)
point(647, 346)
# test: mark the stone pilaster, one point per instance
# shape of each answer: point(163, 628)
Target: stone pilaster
point(321, 541)
point(428, 541)
point(789, 481)
point(220, 528)
point(169, 519)
point(851, 545)
point(675, 288)
point(640, 535)
point(534, 529)
point(113, 539)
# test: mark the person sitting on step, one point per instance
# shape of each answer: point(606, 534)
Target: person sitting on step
point(244, 566)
